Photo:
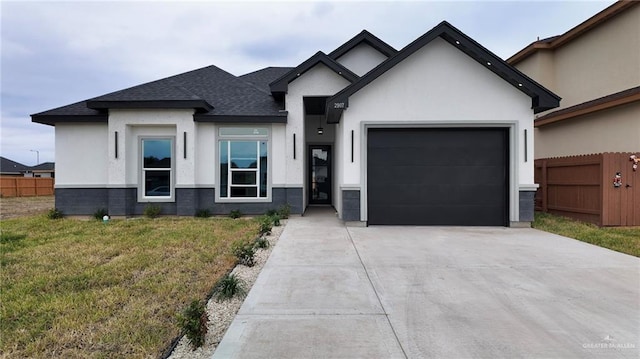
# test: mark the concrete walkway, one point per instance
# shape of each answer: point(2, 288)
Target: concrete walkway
point(329, 291)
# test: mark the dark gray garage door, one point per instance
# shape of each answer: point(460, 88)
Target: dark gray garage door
point(437, 176)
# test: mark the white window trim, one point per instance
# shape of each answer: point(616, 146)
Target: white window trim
point(141, 170)
point(257, 139)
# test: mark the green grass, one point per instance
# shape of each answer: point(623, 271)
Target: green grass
point(621, 239)
point(85, 289)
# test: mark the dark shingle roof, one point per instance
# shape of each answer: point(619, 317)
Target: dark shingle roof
point(9, 166)
point(211, 90)
point(262, 78)
point(46, 166)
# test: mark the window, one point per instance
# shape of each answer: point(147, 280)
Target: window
point(243, 163)
point(157, 168)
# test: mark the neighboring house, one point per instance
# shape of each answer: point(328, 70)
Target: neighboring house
point(595, 67)
point(9, 168)
point(436, 133)
point(44, 170)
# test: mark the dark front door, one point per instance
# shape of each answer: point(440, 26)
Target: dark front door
point(438, 176)
point(319, 175)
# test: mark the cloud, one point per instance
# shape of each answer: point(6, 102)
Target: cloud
point(57, 53)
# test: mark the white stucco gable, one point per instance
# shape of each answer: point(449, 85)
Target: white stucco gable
point(361, 59)
point(439, 83)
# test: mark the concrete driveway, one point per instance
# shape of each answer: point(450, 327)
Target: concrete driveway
point(329, 291)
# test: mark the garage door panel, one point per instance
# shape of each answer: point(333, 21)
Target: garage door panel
point(434, 215)
point(437, 176)
point(401, 175)
point(416, 194)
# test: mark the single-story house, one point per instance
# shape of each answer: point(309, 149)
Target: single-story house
point(9, 168)
point(437, 133)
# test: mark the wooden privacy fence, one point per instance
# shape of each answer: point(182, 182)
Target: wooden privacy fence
point(582, 187)
point(26, 186)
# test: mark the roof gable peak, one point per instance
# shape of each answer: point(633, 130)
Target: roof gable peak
point(280, 86)
point(367, 38)
point(541, 98)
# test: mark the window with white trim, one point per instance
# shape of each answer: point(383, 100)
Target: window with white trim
point(243, 162)
point(157, 168)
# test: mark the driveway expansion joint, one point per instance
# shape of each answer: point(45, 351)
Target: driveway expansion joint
point(386, 315)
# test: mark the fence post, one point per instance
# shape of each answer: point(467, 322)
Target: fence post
point(544, 187)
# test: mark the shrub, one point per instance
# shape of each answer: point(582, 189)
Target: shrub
point(284, 211)
point(261, 243)
point(55, 213)
point(203, 213)
point(275, 219)
point(235, 214)
point(193, 321)
point(265, 225)
point(100, 213)
point(271, 212)
point(152, 210)
point(228, 287)
point(244, 252)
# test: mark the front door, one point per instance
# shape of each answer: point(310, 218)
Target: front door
point(319, 175)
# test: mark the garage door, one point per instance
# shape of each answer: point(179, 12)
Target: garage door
point(437, 176)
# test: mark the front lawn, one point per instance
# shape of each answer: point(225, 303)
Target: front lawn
point(621, 239)
point(85, 289)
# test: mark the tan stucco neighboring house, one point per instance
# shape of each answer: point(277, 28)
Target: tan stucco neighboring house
point(595, 68)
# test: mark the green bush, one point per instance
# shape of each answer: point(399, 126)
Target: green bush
point(55, 213)
point(271, 213)
point(228, 287)
point(100, 213)
point(244, 252)
point(261, 243)
point(193, 321)
point(275, 219)
point(152, 210)
point(284, 211)
point(203, 213)
point(266, 223)
point(235, 214)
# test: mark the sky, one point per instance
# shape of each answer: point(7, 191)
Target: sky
point(57, 53)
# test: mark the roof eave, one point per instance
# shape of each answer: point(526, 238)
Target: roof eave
point(618, 99)
point(280, 118)
point(574, 32)
point(200, 105)
point(52, 120)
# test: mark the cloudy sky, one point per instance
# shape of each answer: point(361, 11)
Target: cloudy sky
point(56, 53)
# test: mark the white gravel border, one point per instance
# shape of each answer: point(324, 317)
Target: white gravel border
point(221, 314)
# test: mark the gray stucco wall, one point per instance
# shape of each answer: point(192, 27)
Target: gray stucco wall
point(350, 205)
point(527, 205)
point(124, 202)
point(81, 201)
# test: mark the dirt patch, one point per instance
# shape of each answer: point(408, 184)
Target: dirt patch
point(13, 207)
